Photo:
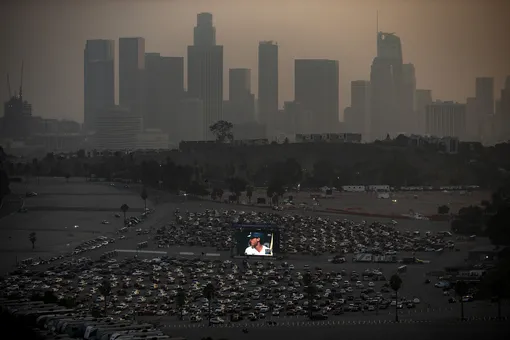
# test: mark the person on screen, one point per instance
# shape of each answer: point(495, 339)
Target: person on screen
point(255, 245)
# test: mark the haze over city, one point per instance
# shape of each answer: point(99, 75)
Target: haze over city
point(450, 43)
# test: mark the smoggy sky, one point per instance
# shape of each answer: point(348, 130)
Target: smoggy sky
point(450, 42)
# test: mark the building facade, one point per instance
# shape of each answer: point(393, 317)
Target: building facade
point(316, 89)
point(267, 82)
point(241, 102)
point(131, 75)
point(205, 74)
point(446, 119)
point(359, 117)
point(117, 129)
point(99, 79)
point(422, 99)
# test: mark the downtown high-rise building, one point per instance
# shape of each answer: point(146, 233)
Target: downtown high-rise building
point(164, 80)
point(131, 75)
point(446, 119)
point(408, 100)
point(503, 132)
point(387, 113)
point(422, 98)
point(241, 102)
point(316, 89)
point(205, 72)
point(484, 93)
point(359, 115)
point(267, 105)
point(99, 80)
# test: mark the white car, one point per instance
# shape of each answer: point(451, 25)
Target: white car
point(416, 301)
point(217, 320)
point(371, 284)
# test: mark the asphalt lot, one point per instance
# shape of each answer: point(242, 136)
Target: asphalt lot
point(56, 234)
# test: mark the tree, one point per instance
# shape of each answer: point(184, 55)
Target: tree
point(443, 209)
point(249, 193)
point(124, 208)
point(223, 131)
point(209, 292)
point(181, 302)
point(461, 289)
point(310, 290)
point(144, 196)
point(217, 193)
point(396, 284)
point(67, 177)
point(32, 237)
point(80, 153)
point(105, 289)
point(237, 186)
point(275, 190)
point(497, 227)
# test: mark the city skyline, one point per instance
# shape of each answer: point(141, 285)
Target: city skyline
point(354, 53)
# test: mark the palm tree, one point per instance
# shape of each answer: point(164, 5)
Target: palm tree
point(208, 292)
point(32, 237)
point(181, 302)
point(461, 289)
point(310, 290)
point(106, 290)
point(144, 196)
point(124, 208)
point(396, 284)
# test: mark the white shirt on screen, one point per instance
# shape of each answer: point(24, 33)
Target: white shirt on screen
point(264, 251)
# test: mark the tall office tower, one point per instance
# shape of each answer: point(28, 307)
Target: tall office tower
point(205, 73)
point(131, 75)
point(241, 100)
point(505, 112)
point(472, 120)
point(360, 107)
point(446, 119)
point(164, 91)
point(99, 79)
point(387, 114)
point(204, 34)
point(316, 89)
point(267, 82)
point(485, 95)
point(408, 100)
point(422, 98)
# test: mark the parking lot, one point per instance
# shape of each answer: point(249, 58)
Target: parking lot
point(247, 293)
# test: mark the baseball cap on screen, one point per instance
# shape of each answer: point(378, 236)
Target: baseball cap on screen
point(255, 234)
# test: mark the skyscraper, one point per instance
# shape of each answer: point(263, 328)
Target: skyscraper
point(131, 75)
point(267, 82)
point(205, 72)
point(386, 93)
point(316, 89)
point(99, 83)
point(407, 100)
point(359, 114)
point(485, 95)
point(241, 100)
point(164, 90)
point(504, 134)
point(422, 99)
point(204, 34)
point(446, 119)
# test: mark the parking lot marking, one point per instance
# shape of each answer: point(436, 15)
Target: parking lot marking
point(186, 253)
point(212, 254)
point(141, 251)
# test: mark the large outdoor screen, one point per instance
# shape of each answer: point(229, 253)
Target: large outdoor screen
point(253, 240)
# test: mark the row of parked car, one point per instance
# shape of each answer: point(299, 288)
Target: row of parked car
point(242, 290)
point(300, 234)
point(51, 321)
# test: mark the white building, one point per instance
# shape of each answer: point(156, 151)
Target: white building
point(117, 129)
point(329, 138)
point(152, 139)
point(378, 188)
point(446, 119)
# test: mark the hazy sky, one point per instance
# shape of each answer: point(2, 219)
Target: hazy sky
point(449, 41)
